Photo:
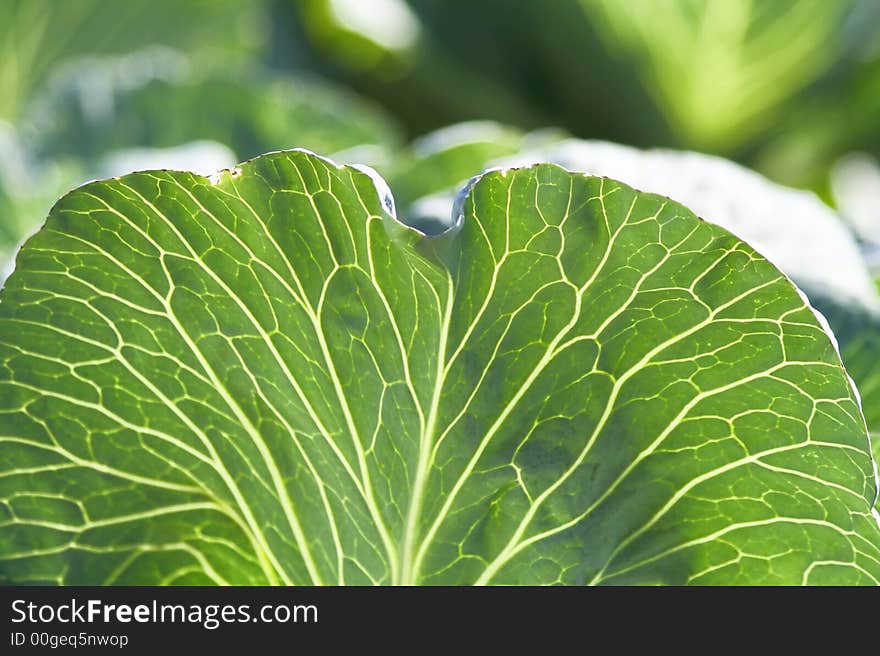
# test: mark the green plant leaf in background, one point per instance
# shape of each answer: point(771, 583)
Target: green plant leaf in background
point(25, 194)
point(859, 336)
point(264, 377)
point(837, 117)
point(153, 99)
point(855, 189)
point(434, 63)
point(35, 35)
point(443, 159)
point(383, 49)
point(783, 85)
point(721, 69)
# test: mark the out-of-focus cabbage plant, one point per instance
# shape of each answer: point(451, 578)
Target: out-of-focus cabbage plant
point(37, 35)
point(786, 86)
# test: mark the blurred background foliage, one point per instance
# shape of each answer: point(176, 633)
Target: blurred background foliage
point(36, 36)
point(88, 88)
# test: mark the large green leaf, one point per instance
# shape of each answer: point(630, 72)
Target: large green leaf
point(793, 228)
point(264, 377)
point(802, 235)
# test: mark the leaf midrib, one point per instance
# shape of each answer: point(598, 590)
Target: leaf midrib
point(409, 567)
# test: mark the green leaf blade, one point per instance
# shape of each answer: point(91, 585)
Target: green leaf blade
point(622, 436)
point(263, 377)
